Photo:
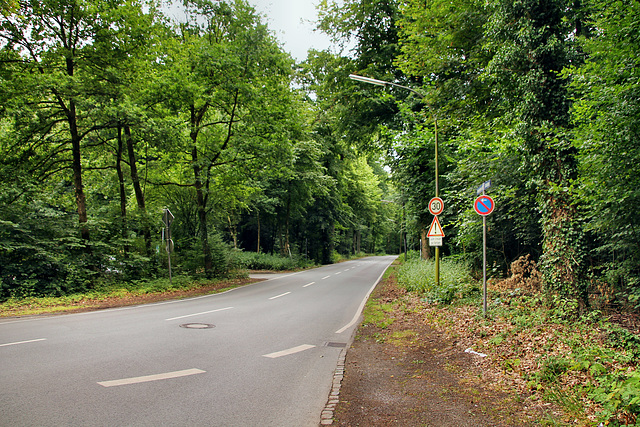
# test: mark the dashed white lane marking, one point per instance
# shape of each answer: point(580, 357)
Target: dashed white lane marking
point(325, 277)
point(338, 272)
point(362, 304)
point(22, 342)
point(198, 314)
point(293, 350)
point(309, 284)
point(281, 295)
point(148, 378)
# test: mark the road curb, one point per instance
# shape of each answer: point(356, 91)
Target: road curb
point(326, 418)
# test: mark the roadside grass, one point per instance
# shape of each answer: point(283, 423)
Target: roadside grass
point(112, 292)
point(586, 367)
point(379, 313)
point(118, 294)
point(265, 261)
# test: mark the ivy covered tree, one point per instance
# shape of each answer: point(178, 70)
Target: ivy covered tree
point(606, 137)
point(530, 43)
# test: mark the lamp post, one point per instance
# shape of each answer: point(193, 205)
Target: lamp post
point(385, 83)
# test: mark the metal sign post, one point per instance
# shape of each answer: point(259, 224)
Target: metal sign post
point(167, 218)
point(435, 234)
point(483, 206)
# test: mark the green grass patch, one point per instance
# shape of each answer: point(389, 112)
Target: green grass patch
point(456, 281)
point(378, 314)
point(105, 293)
point(262, 261)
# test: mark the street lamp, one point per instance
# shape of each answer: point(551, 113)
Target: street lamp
point(385, 83)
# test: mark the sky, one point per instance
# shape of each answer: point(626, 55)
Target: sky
point(293, 22)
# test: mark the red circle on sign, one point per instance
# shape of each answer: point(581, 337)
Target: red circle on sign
point(436, 206)
point(484, 205)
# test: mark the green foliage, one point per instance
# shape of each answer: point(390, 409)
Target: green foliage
point(619, 396)
point(263, 261)
point(141, 114)
point(606, 114)
point(456, 281)
point(553, 367)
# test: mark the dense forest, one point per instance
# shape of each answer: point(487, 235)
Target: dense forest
point(111, 112)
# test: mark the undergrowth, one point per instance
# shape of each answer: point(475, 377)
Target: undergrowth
point(263, 261)
point(585, 365)
point(456, 281)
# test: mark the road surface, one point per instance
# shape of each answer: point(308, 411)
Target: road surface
point(260, 355)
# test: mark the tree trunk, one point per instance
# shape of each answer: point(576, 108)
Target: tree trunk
point(202, 213)
point(258, 248)
point(121, 186)
point(137, 189)
point(287, 219)
point(424, 243)
point(81, 200)
point(233, 231)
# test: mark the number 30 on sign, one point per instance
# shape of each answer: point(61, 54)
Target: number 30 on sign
point(436, 206)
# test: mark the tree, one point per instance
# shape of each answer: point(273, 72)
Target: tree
point(54, 64)
point(530, 42)
point(607, 134)
point(230, 82)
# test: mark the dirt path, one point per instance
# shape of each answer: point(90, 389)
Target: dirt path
point(408, 374)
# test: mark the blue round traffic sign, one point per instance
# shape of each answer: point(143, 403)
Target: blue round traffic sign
point(484, 205)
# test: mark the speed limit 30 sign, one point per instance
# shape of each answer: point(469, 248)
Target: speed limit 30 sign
point(436, 206)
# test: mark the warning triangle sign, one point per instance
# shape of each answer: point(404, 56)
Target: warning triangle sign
point(436, 229)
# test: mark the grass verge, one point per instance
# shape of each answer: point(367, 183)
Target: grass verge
point(123, 294)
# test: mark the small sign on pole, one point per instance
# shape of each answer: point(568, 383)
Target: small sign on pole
point(483, 206)
point(435, 233)
point(435, 241)
point(436, 206)
point(167, 218)
point(483, 188)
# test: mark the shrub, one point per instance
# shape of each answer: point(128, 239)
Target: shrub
point(456, 280)
point(262, 261)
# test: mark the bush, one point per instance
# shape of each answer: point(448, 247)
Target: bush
point(262, 261)
point(456, 280)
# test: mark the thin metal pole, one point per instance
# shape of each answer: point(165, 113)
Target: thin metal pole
point(484, 265)
point(169, 258)
point(435, 121)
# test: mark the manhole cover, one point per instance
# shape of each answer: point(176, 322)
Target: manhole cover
point(197, 325)
point(336, 344)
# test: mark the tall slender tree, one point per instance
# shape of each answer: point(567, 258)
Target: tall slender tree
point(232, 87)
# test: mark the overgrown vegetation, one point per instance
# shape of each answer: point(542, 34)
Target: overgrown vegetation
point(456, 280)
point(119, 292)
point(261, 261)
point(587, 365)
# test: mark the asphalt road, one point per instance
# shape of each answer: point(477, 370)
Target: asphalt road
point(260, 355)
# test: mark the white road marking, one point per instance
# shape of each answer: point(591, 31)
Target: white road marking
point(293, 350)
point(147, 378)
point(338, 272)
point(142, 306)
point(359, 311)
point(281, 295)
point(22, 342)
point(325, 277)
point(198, 314)
point(309, 284)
